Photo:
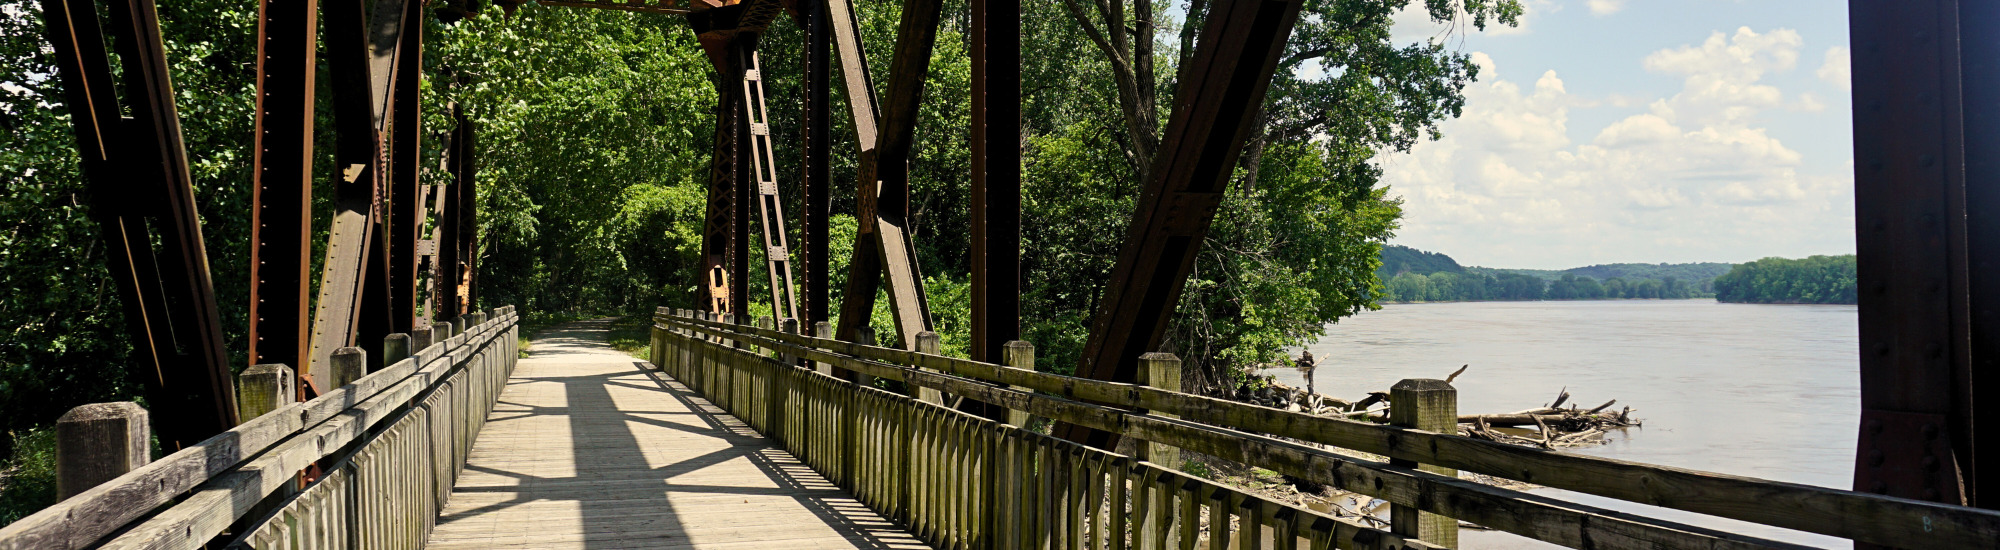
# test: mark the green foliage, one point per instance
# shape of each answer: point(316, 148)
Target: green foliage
point(1812, 280)
point(28, 479)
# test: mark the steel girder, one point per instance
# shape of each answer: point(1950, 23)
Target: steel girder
point(996, 182)
point(281, 199)
point(1927, 157)
point(813, 188)
point(883, 249)
point(1221, 89)
point(136, 171)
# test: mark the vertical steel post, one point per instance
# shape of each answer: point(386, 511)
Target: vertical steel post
point(996, 181)
point(813, 184)
point(281, 196)
point(406, 205)
point(1912, 128)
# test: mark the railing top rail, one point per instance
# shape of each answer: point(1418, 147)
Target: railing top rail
point(1848, 514)
point(336, 417)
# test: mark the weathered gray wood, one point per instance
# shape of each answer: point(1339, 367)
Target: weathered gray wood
point(1163, 371)
point(1821, 510)
point(348, 364)
point(263, 388)
point(928, 342)
point(98, 442)
point(421, 337)
point(83, 520)
point(1432, 406)
point(1019, 354)
point(396, 347)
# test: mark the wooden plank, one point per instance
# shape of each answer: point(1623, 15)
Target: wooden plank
point(585, 450)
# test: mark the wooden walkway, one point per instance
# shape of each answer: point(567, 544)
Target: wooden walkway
point(592, 448)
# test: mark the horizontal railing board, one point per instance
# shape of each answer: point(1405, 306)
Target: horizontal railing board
point(1551, 520)
point(82, 520)
point(1822, 510)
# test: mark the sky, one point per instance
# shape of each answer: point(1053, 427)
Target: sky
point(1607, 131)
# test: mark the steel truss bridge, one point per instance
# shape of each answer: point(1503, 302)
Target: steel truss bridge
point(372, 420)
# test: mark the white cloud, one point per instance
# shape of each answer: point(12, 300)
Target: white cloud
point(1835, 69)
point(1689, 177)
point(1605, 7)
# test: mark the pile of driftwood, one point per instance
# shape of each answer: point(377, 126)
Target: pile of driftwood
point(1554, 425)
point(1549, 426)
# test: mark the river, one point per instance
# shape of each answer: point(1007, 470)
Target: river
point(1769, 391)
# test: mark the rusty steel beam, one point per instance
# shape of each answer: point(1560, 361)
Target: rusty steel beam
point(813, 189)
point(725, 231)
point(883, 249)
point(452, 272)
point(1221, 88)
point(406, 212)
point(996, 182)
point(353, 303)
point(763, 168)
point(1926, 185)
point(281, 195)
point(136, 172)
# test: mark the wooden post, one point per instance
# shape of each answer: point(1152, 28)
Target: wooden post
point(1432, 406)
point(764, 323)
point(1019, 354)
point(98, 442)
point(791, 327)
point(864, 336)
point(823, 330)
point(262, 389)
point(395, 347)
point(928, 343)
point(441, 331)
point(1163, 371)
point(346, 367)
point(421, 339)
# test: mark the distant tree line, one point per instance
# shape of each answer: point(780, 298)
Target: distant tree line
point(1465, 287)
point(1812, 280)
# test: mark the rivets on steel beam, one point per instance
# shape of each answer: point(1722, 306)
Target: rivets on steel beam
point(1875, 426)
point(1930, 432)
point(1930, 463)
point(1882, 348)
point(1879, 487)
point(1875, 457)
point(1930, 493)
point(1934, 349)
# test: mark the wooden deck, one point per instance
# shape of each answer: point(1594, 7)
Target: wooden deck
point(592, 448)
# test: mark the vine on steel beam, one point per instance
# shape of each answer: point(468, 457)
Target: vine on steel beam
point(281, 196)
point(882, 248)
point(136, 171)
point(1221, 88)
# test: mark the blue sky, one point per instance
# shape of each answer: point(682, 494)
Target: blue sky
point(1605, 131)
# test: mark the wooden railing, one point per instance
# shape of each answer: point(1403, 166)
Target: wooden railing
point(960, 481)
point(865, 438)
point(378, 457)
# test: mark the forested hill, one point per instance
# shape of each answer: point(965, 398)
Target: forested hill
point(1398, 259)
point(1413, 275)
point(1812, 280)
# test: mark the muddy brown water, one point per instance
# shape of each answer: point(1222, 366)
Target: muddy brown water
point(1769, 391)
